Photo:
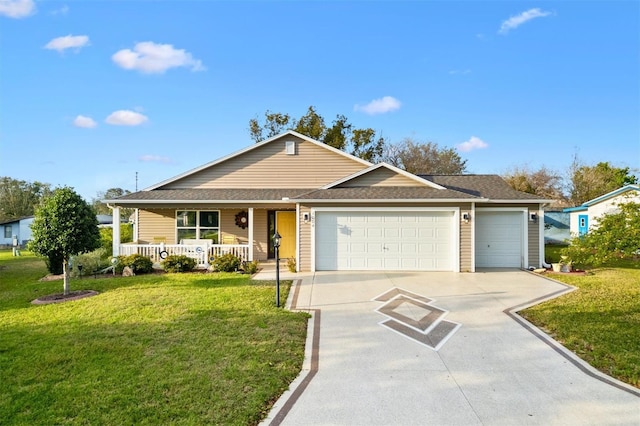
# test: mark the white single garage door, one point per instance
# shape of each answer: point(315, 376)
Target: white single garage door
point(499, 238)
point(384, 240)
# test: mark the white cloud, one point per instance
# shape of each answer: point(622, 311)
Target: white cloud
point(84, 122)
point(62, 11)
point(150, 158)
point(379, 106)
point(126, 118)
point(149, 57)
point(17, 8)
point(473, 143)
point(67, 42)
point(515, 21)
point(460, 72)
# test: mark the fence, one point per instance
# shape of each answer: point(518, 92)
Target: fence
point(203, 253)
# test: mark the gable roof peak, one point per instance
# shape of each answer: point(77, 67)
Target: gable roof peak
point(251, 148)
point(388, 166)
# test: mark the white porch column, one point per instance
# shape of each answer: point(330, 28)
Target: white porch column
point(250, 234)
point(115, 211)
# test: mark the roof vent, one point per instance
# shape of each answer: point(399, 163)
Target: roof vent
point(290, 147)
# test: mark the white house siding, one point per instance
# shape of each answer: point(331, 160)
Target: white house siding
point(608, 206)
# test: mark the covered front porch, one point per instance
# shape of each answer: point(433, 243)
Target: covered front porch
point(206, 231)
point(202, 253)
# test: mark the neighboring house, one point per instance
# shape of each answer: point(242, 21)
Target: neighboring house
point(17, 229)
point(106, 220)
point(556, 227)
point(586, 216)
point(21, 229)
point(335, 211)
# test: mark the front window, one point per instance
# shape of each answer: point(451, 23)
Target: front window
point(7, 231)
point(198, 225)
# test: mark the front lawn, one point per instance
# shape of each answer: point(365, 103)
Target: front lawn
point(600, 321)
point(150, 349)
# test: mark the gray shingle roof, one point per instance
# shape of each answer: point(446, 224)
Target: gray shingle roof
point(459, 187)
point(385, 193)
point(485, 186)
point(225, 194)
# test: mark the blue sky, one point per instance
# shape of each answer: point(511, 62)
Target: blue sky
point(92, 92)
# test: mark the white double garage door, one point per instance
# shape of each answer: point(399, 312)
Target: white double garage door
point(420, 240)
point(424, 240)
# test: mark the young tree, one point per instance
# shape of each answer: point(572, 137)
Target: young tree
point(425, 158)
point(617, 236)
point(19, 198)
point(64, 226)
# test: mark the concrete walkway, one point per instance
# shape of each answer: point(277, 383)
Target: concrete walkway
point(370, 358)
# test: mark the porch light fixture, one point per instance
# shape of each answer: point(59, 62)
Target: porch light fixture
point(276, 246)
point(534, 217)
point(466, 217)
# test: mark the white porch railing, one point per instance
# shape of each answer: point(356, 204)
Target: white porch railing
point(203, 253)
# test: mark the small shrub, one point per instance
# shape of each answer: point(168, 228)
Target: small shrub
point(91, 262)
point(251, 267)
point(291, 264)
point(139, 263)
point(226, 263)
point(179, 263)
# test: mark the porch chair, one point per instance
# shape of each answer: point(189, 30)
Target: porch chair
point(229, 239)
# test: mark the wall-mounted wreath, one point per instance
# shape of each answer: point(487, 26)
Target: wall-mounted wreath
point(242, 219)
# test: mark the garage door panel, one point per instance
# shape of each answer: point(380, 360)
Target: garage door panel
point(499, 239)
point(377, 240)
point(392, 233)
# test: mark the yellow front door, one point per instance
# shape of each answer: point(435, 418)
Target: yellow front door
point(286, 227)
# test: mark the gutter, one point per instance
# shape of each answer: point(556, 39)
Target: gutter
point(122, 202)
point(394, 200)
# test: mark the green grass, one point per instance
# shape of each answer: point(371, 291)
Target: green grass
point(600, 321)
point(154, 349)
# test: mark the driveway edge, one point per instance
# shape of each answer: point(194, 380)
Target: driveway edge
point(309, 367)
point(581, 364)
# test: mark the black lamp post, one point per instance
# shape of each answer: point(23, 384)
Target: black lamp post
point(276, 246)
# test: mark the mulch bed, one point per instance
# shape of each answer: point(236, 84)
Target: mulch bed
point(60, 297)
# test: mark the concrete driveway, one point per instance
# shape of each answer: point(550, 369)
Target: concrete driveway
point(371, 358)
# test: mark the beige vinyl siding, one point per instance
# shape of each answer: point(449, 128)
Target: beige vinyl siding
point(466, 241)
point(379, 177)
point(305, 240)
point(260, 237)
point(533, 232)
point(155, 225)
point(229, 228)
point(269, 166)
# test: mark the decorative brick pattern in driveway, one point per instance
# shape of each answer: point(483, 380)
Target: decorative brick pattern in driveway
point(415, 317)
